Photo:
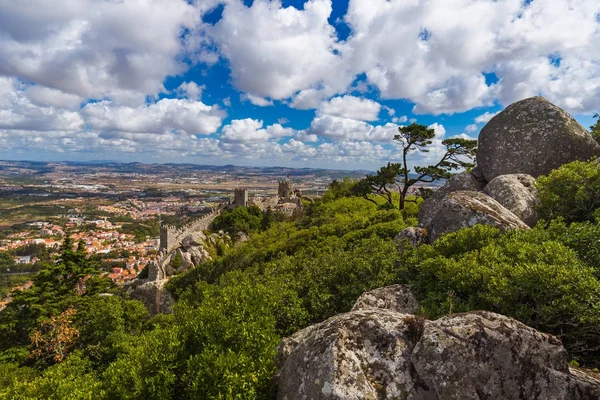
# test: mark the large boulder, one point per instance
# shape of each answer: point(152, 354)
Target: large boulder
point(199, 255)
point(382, 354)
point(354, 356)
point(464, 209)
point(482, 355)
point(154, 295)
point(463, 181)
point(532, 136)
point(517, 193)
point(397, 298)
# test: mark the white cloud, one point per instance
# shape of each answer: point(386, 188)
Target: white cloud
point(256, 100)
point(472, 128)
point(95, 49)
point(43, 96)
point(191, 90)
point(251, 131)
point(308, 98)
point(166, 115)
point(342, 129)
point(485, 118)
point(18, 112)
point(275, 52)
point(400, 120)
point(351, 107)
point(426, 51)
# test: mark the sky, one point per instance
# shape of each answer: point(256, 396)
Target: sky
point(317, 83)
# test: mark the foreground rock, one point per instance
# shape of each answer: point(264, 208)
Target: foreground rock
point(154, 295)
point(397, 298)
point(483, 355)
point(464, 209)
point(382, 354)
point(463, 181)
point(518, 194)
point(359, 355)
point(532, 136)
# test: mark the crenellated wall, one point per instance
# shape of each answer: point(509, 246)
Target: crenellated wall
point(171, 236)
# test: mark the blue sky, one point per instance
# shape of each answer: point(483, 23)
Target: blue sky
point(316, 83)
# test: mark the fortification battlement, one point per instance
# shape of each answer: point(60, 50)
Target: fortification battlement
point(170, 235)
point(285, 189)
point(240, 197)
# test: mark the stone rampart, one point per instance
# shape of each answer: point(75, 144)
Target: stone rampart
point(171, 236)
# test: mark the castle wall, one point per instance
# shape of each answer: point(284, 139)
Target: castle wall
point(240, 197)
point(171, 236)
point(285, 189)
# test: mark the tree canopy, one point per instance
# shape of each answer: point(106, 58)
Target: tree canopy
point(458, 153)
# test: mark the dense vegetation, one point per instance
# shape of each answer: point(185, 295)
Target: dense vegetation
point(59, 341)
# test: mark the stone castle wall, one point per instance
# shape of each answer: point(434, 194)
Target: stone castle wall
point(171, 236)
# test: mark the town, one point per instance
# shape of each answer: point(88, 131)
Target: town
point(116, 210)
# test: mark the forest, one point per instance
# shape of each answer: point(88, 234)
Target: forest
point(74, 336)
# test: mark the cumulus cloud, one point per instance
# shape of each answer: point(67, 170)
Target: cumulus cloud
point(18, 112)
point(251, 131)
point(256, 100)
point(275, 52)
point(43, 96)
point(485, 117)
point(471, 128)
point(400, 120)
point(122, 50)
point(340, 129)
point(427, 53)
point(166, 115)
point(191, 90)
point(351, 107)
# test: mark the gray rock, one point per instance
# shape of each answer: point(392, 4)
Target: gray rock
point(192, 240)
point(413, 236)
point(482, 355)
point(517, 193)
point(186, 260)
point(532, 136)
point(359, 355)
point(199, 255)
point(462, 181)
point(397, 298)
point(382, 354)
point(154, 296)
point(464, 209)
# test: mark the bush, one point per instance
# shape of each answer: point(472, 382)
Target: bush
point(240, 219)
point(523, 275)
point(571, 192)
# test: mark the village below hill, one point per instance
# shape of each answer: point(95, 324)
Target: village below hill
point(116, 209)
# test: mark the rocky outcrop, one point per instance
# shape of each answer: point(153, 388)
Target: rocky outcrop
point(463, 181)
point(397, 298)
point(412, 236)
point(532, 136)
point(382, 354)
point(154, 295)
point(517, 193)
point(464, 209)
point(490, 356)
point(359, 355)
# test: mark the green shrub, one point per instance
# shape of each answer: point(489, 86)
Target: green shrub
point(540, 282)
point(571, 192)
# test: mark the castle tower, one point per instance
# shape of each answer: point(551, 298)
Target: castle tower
point(240, 197)
point(285, 189)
